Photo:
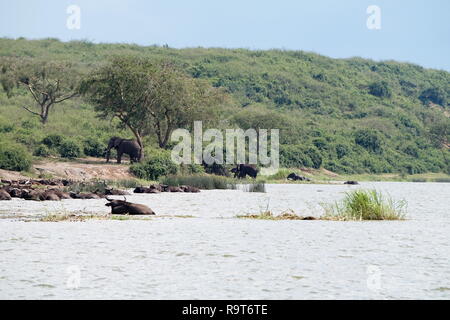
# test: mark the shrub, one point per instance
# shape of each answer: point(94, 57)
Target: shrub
point(53, 140)
point(70, 149)
point(6, 126)
point(315, 157)
point(380, 89)
point(154, 166)
point(369, 139)
point(435, 95)
point(295, 156)
point(365, 205)
point(14, 157)
point(191, 169)
point(94, 148)
point(42, 151)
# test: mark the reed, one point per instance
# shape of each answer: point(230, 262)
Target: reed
point(206, 182)
point(365, 205)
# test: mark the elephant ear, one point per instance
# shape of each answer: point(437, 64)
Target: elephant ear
point(117, 142)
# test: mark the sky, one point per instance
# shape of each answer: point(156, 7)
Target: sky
point(415, 31)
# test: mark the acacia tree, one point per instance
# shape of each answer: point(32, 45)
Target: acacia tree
point(48, 83)
point(174, 100)
point(148, 97)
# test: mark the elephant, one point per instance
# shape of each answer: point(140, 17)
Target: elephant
point(242, 170)
point(127, 146)
point(124, 207)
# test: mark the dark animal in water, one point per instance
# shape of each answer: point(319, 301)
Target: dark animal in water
point(84, 196)
point(124, 207)
point(190, 189)
point(351, 182)
point(4, 195)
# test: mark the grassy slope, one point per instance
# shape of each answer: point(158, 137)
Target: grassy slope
point(325, 99)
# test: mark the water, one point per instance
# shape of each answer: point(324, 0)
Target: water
point(214, 255)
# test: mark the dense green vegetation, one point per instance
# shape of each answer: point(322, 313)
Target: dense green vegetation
point(346, 115)
point(366, 205)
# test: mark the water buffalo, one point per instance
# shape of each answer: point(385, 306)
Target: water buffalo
point(190, 189)
point(295, 177)
point(4, 195)
point(124, 207)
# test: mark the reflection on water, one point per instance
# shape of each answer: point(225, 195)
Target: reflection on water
point(217, 256)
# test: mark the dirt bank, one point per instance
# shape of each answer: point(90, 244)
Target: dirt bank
point(81, 169)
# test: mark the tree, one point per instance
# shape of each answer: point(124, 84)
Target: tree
point(49, 83)
point(149, 98)
point(174, 100)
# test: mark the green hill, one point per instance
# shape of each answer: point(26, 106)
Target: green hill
point(346, 115)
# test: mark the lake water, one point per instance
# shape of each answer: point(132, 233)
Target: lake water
point(214, 255)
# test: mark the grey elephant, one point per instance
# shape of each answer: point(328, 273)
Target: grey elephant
point(127, 146)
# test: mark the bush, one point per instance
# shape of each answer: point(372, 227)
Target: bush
point(14, 157)
point(154, 166)
point(94, 148)
point(435, 95)
point(70, 149)
point(369, 139)
point(315, 157)
point(42, 151)
point(53, 140)
point(380, 89)
point(295, 156)
point(191, 169)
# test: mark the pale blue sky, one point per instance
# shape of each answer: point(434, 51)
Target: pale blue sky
point(415, 31)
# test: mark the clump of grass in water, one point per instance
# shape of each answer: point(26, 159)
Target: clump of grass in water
point(87, 186)
point(443, 180)
point(268, 215)
point(254, 187)
point(125, 183)
point(206, 182)
point(365, 205)
point(71, 217)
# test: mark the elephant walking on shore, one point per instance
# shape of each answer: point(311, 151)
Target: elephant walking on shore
point(127, 146)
